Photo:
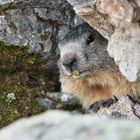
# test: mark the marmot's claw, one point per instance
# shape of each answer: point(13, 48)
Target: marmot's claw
point(102, 103)
point(132, 99)
point(115, 99)
point(96, 106)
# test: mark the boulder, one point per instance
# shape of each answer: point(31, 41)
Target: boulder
point(59, 125)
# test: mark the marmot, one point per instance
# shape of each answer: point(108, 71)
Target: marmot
point(88, 72)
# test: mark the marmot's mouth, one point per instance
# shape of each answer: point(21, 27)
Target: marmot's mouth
point(82, 74)
point(76, 73)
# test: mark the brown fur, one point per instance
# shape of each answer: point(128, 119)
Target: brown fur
point(100, 86)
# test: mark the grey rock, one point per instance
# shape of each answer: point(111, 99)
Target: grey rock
point(59, 16)
point(63, 98)
point(26, 23)
point(33, 22)
point(63, 30)
point(61, 101)
point(88, 12)
point(6, 1)
point(9, 35)
point(47, 103)
point(58, 125)
point(124, 47)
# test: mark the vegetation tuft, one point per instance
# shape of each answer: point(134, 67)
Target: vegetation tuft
point(21, 81)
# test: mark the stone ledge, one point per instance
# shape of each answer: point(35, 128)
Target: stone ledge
point(58, 125)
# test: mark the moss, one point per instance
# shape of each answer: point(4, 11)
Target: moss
point(44, 36)
point(21, 74)
point(12, 25)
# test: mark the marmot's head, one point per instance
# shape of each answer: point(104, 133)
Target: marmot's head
point(81, 51)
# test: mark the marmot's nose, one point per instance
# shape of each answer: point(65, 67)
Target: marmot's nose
point(70, 63)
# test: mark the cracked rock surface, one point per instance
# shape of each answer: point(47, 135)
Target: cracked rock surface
point(35, 23)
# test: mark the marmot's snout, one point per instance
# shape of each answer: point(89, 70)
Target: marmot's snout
point(69, 62)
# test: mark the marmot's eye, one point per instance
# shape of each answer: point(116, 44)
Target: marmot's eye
point(90, 39)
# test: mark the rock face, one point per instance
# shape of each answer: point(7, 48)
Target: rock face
point(124, 47)
point(57, 125)
point(39, 24)
point(118, 21)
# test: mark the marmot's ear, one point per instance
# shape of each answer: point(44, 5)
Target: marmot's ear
point(90, 39)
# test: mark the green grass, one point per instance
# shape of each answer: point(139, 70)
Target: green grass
point(21, 74)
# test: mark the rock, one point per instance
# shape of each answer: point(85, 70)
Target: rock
point(59, 100)
point(34, 23)
point(63, 98)
point(57, 15)
point(63, 30)
point(58, 125)
point(124, 47)
point(118, 21)
point(118, 11)
point(5, 1)
point(47, 103)
point(124, 108)
point(39, 23)
point(87, 11)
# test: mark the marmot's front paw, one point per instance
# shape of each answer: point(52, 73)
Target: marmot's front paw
point(102, 103)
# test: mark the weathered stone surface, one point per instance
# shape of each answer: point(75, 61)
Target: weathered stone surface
point(118, 11)
point(124, 108)
point(86, 10)
point(63, 98)
point(118, 21)
point(59, 100)
point(34, 23)
point(57, 125)
point(6, 1)
point(124, 47)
